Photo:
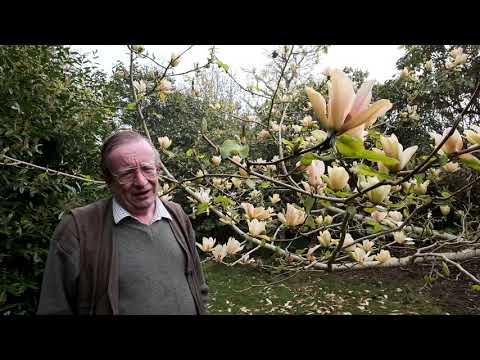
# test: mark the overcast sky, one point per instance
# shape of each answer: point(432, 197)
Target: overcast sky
point(379, 60)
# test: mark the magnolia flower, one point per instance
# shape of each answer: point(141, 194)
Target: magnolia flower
point(275, 127)
point(308, 122)
point(451, 167)
point(421, 189)
point(319, 136)
point(297, 128)
point(165, 86)
point(310, 256)
point(367, 245)
point(275, 198)
point(379, 216)
point(337, 177)
point(219, 252)
point(293, 217)
point(236, 182)
point(164, 142)
point(164, 189)
point(359, 255)
point(207, 244)
point(140, 86)
point(325, 238)
point(392, 148)
point(458, 58)
point(245, 259)
point(378, 194)
point(259, 213)
point(174, 60)
point(383, 256)
point(203, 195)
point(263, 134)
point(255, 227)
point(405, 73)
point(217, 182)
point(327, 220)
point(345, 109)
point(429, 65)
point(399, 237)
point(315, 171)
point(319, 220)
point(395, 215)
point(233, 246)
point(473, 136)
point(453, 144)
point(348, 242)
point(237, 159)
point(216, 160)
point(445, 210)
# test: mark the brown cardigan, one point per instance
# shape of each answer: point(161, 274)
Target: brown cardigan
point(81, 276)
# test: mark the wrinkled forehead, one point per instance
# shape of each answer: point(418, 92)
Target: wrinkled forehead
point(131, 154)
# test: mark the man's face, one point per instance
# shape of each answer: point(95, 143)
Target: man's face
point(134, 181)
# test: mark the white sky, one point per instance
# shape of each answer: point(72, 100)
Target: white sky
point(379, 60)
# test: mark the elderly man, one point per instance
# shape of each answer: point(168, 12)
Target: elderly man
point(130, 254)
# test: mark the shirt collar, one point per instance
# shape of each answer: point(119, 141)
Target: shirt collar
point(120, 213)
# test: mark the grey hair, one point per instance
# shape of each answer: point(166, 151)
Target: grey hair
point(116, 139)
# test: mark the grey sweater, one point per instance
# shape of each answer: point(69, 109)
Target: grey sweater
point(152, 279)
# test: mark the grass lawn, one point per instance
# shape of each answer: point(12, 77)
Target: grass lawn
point(250, 290)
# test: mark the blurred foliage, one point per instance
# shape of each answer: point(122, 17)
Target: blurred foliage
point(54, 114)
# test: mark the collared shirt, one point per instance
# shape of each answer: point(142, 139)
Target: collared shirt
point(119, 212)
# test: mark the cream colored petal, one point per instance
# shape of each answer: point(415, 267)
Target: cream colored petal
point(369, 116)
point(357, 132)
point(319, 105)
point(406, 155)
point(341, 97)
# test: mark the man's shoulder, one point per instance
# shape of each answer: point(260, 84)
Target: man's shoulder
point(175, 208)
point(95, 207)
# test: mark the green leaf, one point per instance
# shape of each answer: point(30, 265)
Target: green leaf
point(307, 158)
point(475, 287)
point(224, 200)
point(445, 194)
point(131, 106)
point(374, 156)
point(349, 146)
point(310, 222)
point(376, 226)
point(445, 269)
point(222, 65)
point(473, 164)
point(189, 152)
point(308, 203)
point(352, 147)
point(202, 208)
point(265, 185)
point(231, 148)
point(368, 171)
point(289, 144)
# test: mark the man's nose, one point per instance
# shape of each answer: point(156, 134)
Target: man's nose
point(140, 179)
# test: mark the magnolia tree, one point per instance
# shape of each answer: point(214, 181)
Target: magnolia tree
point(338, 194)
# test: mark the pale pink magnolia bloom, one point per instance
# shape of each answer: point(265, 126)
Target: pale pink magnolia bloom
point(164, 142)
point(469, 156)
point(293, 216)
point(315, 171)
point(379, 216)
point(325, 239)
point(263, 134)
point(233, 246)
point(367, 245)
point(219, 252)
point(445, 210)
point(392, 148)
point(347, 110)
point(255, 227)
point(383, 256)
point(216, 160)
point(395, 215)
point(421, 188)
point(259, 213)
point(348, 242)
point(360, 255)
point(451, 167)
point(453, 144)
point(473, 136)
point(337, 177)
point(207, 244)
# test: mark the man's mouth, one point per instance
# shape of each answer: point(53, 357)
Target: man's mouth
point(142, 193)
